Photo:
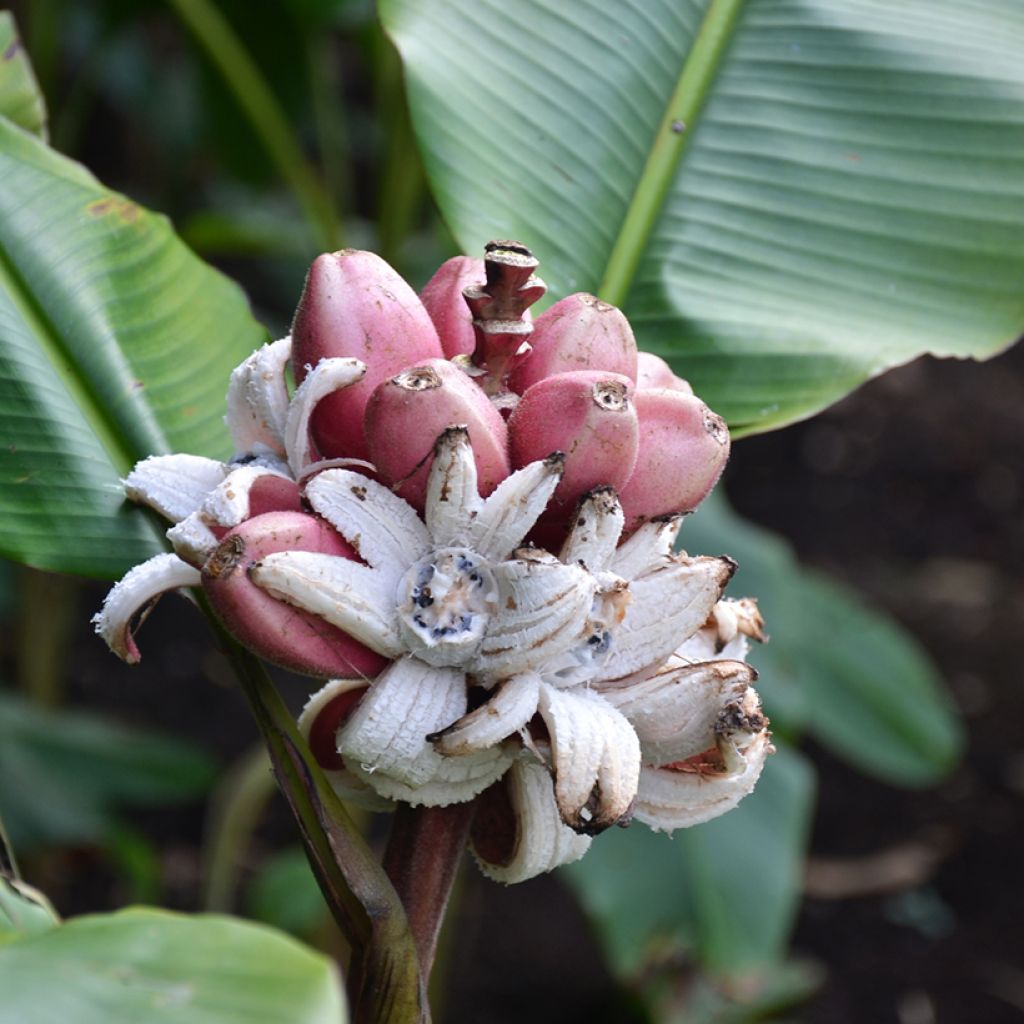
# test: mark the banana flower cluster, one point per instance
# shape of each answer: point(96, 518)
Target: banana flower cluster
point(464, 521)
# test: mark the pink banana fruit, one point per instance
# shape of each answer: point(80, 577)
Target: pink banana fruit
point(276, 631)
point(355, 305)
point(654, 372)
point(407, 414)
point(587, 414)
point(443, 300)
point(683, 449)
point(579, 333)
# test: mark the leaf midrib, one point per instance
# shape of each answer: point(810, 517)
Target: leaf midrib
point(685, 105)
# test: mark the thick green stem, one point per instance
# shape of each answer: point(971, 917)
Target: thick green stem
point(254, 96)
point(385, 983)
point(673, 136)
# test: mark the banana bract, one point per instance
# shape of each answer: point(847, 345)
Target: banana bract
point(463, 521)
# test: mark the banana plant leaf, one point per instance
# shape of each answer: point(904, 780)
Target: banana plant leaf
point(116, 342)
point(834, 668)
point(786, 196)
point(155, 966)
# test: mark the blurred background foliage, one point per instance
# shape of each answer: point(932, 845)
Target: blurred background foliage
point(269, 132)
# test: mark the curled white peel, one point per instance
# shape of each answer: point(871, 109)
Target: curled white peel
point(647, 548)
point(384, 742)
point(595, 531)
point(668, 799)
point(258, 399)
point(174, 485)
point(345, 593)
point(348, 786)
point(667, 605)
point(452, 498)
point(675, 712)
point(726, 633)
point(511, 706)
point(541, 841)
point(133, 595)
point(383, 528)
point(513, 508)
point(542, 611)
point(227, 504)
point(328, 376)
point(193, 540)
point(449, 786)
point(596, 757)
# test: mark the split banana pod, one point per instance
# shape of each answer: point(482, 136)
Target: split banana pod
point(410, 411)
point(355, 305)
point(518, 831)
point(579, 333)
point(683, 448)
point(282, 634)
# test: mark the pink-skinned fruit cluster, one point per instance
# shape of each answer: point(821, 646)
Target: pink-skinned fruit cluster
point(466, 353)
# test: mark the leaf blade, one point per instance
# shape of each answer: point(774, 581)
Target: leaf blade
point(63, 774)
point(141, 964)
point(698, 885)
point(105, 324)
point(850, 196)
point(834, 667)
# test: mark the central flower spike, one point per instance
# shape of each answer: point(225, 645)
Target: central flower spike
point(449, 598)
point(431, 587)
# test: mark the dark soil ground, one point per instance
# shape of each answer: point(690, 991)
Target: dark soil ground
point(912, 491)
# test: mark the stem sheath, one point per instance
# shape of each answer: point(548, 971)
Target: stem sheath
point(422, 860)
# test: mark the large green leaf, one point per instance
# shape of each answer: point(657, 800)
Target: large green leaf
point(847, 190)
point(727, 889)
point(115, 342)
point(847, 674)
point(162, 968)
point(64, 773)
point(20, 98)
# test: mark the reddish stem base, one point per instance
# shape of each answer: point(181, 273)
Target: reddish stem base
point(422, 858)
